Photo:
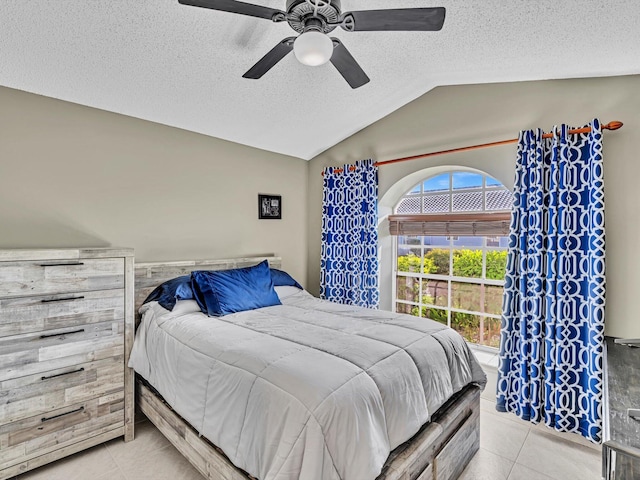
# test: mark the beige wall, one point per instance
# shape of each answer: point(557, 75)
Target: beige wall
point(448, 117)
point(77, 176)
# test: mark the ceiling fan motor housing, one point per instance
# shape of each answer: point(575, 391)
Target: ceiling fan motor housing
point(302, 13)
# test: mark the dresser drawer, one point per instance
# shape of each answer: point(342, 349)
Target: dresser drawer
point(20, 315)
point(41, 393)
point(19, 279)
point(40, 434)
point(33, 353)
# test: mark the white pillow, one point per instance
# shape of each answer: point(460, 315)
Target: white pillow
point(286, 291)
point(185, 306)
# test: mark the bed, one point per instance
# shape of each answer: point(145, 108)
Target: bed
point(337, 382)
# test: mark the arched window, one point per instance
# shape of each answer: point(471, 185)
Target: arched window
point(450, 252)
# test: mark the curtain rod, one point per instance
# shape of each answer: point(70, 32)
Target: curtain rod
point(614, 125)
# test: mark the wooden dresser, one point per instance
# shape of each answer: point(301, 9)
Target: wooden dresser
point(66, 331)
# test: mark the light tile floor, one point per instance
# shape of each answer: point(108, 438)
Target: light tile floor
point(510, 450)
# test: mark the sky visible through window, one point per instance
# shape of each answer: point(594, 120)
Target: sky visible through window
point(460, 180)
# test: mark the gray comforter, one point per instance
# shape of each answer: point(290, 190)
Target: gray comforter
point(308, 389)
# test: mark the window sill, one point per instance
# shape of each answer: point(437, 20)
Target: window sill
point(487, 356)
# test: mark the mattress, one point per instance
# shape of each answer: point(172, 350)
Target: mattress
point(307, 389)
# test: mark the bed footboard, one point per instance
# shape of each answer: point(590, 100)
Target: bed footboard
point(439, 451)
point(203, 455)
point(442, 448)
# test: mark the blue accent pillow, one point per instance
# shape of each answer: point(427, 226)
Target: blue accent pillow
point(224, 292)
point(168, 293)
point(283, 279)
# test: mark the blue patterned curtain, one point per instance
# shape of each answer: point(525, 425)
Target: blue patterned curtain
point(349, 257)
point(552, 338)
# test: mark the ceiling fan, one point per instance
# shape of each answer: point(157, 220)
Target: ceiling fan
point(314, 19)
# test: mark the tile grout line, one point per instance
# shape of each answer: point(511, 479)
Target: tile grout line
point(529, 427)
point(563, 436)
point(122, 469)
point(501, 456)
point(528, 466)
point(540, 427)
point(519, 452)
point(122, 472)
point(507, 458)
point(533, 428)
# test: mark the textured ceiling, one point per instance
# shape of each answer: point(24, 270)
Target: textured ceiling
point(182, 66)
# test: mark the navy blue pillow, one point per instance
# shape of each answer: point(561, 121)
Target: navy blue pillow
point(223, 292)
point(283, 279)
point(168, 293)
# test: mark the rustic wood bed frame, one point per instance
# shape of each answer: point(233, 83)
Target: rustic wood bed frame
point(439, 451)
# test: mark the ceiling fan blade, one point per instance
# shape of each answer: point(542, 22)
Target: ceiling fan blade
point(398, 19)
point(242, 8)
point(347, 65)
point(267, 62)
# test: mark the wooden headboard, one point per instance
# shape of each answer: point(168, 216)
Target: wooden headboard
point(149, 275)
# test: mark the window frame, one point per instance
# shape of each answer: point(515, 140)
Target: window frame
point(451, 246)
point(484, 189)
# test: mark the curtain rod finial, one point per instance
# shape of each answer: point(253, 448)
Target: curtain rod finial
point(615, 125)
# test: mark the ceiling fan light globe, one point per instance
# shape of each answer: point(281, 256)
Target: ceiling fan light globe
point(313, 48)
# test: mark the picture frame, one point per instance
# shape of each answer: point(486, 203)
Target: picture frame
point(269, 207)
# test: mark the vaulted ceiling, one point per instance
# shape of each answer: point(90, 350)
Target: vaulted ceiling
point(182, 66)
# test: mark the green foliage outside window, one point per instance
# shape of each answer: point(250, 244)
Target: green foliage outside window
point(440, 258)
point(466, 263)
point(496, 264)
point(413, 263)
point(432, 313)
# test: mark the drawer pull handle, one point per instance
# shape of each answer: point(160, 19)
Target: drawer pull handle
point(74, 264)
point(66, 299)
point(46, 419)
point(61, 374)
point(62, 333)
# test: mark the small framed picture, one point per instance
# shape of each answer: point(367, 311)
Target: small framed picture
point(269, 206)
